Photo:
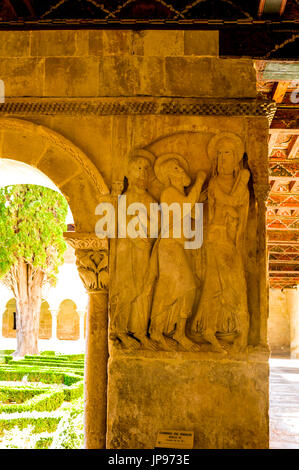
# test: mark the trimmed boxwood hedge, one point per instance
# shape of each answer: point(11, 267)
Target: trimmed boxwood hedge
point(18, 394)
point(44, 402)
point(73, 391)
point(39, 407)
point(44, 442)
point(37, 375)
point(69, 365)
point(42, 422)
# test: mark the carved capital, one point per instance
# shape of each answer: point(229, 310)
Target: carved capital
point(85, 241)
point(91, 260)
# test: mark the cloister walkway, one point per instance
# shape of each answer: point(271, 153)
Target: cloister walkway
point(284, 403)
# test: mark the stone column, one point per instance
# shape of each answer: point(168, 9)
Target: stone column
point(54, 314)
point(1, 320)
point(261, 193)
point(292, 297)
point(92, 263)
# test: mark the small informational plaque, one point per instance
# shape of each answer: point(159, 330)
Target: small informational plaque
point(175, 439)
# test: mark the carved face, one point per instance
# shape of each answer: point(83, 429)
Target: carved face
point(225, 158)
point(139, 172)
point(177, 174)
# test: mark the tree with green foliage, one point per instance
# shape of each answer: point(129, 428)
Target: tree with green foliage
point(32, 222)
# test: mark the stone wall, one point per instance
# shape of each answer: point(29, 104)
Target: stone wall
point(120, 63)
point(279, 323)
point(283, 322)
point(68, 321)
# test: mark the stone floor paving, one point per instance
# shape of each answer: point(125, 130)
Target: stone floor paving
point(284, 403)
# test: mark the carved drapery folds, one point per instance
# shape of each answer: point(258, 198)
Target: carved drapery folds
point(165, 297)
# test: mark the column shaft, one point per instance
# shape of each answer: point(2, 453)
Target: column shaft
point(96, 371)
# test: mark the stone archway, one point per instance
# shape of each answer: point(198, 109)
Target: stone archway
point(68, 321)
point(83, 186)
point(62, 161)
point(9, 320)
point(45, 321)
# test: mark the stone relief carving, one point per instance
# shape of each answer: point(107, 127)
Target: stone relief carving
point(130, 292)
point(164, 297)
point(223, 305)
point(175, 288)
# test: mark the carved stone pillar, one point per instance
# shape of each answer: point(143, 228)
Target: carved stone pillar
point(92, 263)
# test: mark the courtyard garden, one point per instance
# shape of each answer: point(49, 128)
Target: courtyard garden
point(41, 401)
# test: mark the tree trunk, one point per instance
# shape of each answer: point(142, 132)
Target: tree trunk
point(28, 295)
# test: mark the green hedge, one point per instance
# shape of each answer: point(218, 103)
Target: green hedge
point(44, 442)
point(41, 407)
point(44, 402)
point(9, 373)
point(46, 358)
point(73, 391)
point(53, 363)
point(42, 422)
point(18, 394)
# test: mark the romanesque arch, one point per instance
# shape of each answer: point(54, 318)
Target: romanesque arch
point(9, 320)
point(62, 161)
point(68, 321)
point(45, 321)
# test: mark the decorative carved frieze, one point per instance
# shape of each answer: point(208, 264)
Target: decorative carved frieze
point(111, 106)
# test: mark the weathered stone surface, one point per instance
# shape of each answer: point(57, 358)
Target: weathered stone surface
point(95, 42)
point(188, 76)
point(163, 43)
point(22, 76)
point(71, 76)
point(53, 43)
point(225, 402)
point(14, 43)
point(118, 76)
point(151, 76)
point(202, 76)
point(201, 43)
point(61, 170)
point(22, 147)
point(233, 78)
point(117, 42)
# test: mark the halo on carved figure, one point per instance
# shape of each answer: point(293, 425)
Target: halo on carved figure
point(143, 154)
point(238, 144)
point(158, 168)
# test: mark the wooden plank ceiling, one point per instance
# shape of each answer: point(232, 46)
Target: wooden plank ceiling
point(279, 81)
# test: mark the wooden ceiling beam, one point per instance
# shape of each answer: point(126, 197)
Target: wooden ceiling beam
point(283, 130)
point(293, 147)
point(272, 141)
point(279, 90)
